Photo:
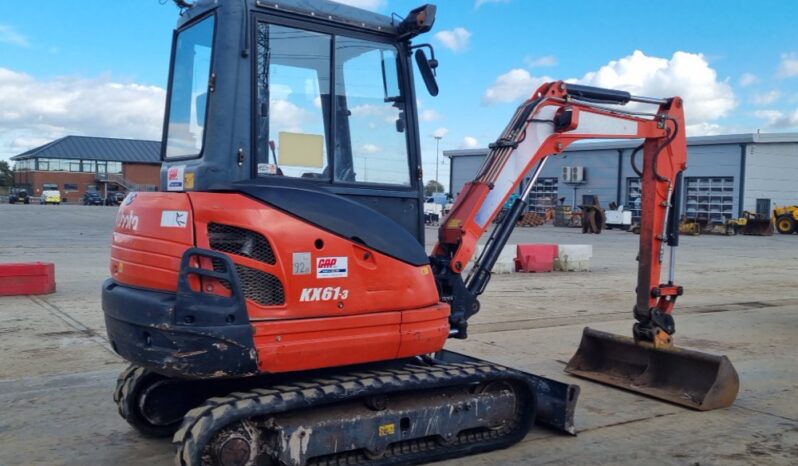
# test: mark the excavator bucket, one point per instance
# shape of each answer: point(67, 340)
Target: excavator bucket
point(758, 227)
point(689, 378)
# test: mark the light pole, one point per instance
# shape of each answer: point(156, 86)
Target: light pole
point(437, 155)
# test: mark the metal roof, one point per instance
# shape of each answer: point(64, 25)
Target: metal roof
point(745, 138)
point(95, 148)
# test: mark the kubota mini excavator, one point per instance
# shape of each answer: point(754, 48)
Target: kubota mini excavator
point(276, 302)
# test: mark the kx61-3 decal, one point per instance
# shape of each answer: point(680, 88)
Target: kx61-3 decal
point(324, 294)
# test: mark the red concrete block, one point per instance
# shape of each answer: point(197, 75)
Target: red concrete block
point(27, 278)
point(535, 257)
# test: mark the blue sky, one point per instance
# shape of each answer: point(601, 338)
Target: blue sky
point(99, 68)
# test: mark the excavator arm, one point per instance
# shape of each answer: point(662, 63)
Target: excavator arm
point(557, 115)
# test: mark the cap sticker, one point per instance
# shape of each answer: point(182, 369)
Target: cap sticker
point(332, 267)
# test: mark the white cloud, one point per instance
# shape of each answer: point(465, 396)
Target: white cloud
point(705, 129)
point(440, 133)
point(777, 119)
point(9, 35)
point(457, 39)
point(373, 5)
point(429, 115)
point(287, 116)
point(385, 113)
point(371, 148)
point(765, 98)
point(539, 62)
point(687, 75)
point(748, 78)
point(479, 3)
point(469, 142)
point(33, 110)
point(514, 85)
point(789, 65)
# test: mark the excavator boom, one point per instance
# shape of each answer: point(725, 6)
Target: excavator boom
point(557, 115)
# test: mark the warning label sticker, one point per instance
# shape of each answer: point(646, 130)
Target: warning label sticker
point(174, 218)
point(332, 267)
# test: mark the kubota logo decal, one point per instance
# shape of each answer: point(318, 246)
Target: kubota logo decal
point(324, 294)
point(128, 221)
point(332, 267)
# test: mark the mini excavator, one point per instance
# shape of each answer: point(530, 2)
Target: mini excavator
point(275, 299)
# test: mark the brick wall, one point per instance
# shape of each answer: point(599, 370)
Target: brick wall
point(134, 172)
point(36, 180)
point(140, 173)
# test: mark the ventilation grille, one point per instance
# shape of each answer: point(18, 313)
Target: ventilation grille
point(258, 286)
point(240, 241)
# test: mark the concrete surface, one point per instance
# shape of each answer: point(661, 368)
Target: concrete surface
point(57, 371)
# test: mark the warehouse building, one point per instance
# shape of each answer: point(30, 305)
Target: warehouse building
point(725, 175)
point(77, 164)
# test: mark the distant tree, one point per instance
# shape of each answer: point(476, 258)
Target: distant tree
point(6, 174)
point(432, 186)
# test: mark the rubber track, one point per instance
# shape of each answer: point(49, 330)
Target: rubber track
point(124, 384)
point(202, 423)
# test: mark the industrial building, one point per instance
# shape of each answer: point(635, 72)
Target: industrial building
point(77, 164)
point(725, 175)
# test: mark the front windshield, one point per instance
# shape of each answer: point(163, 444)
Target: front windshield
point(297, 106)
point(191, 74)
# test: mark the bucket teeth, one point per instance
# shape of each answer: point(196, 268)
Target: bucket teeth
point(689, 378)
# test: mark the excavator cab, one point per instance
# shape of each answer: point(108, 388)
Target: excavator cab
point(325, 105)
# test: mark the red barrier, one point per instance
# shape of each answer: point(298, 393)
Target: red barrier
point(535, 257)
point(27, 278)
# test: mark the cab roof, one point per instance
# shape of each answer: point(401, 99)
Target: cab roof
point(320, 9)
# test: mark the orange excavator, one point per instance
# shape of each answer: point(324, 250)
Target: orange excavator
point(276, 302)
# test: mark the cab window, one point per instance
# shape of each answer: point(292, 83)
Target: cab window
point(371, 141)
point(292, 78)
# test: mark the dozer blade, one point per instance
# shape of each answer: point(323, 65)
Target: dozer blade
point(689, 378)
point(758, 228)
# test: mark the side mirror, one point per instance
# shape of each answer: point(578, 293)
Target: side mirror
point(425, 68)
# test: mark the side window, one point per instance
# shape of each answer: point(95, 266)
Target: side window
point(293, 88)
point(371, 143)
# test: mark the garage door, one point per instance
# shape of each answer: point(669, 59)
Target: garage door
point(709, 198)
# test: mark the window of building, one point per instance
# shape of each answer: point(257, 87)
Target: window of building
point(89, 166)
point(91, 187)
point(74, 165)
point(21, 165)
point(114, 167)
point(70, 187)
point(49, 186)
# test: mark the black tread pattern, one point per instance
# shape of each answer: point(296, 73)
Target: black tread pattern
point(129, 385)
point(201, 424)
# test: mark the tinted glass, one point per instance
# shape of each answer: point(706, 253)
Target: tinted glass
point(370, 106)
point(292, 76)
point(189, 87)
